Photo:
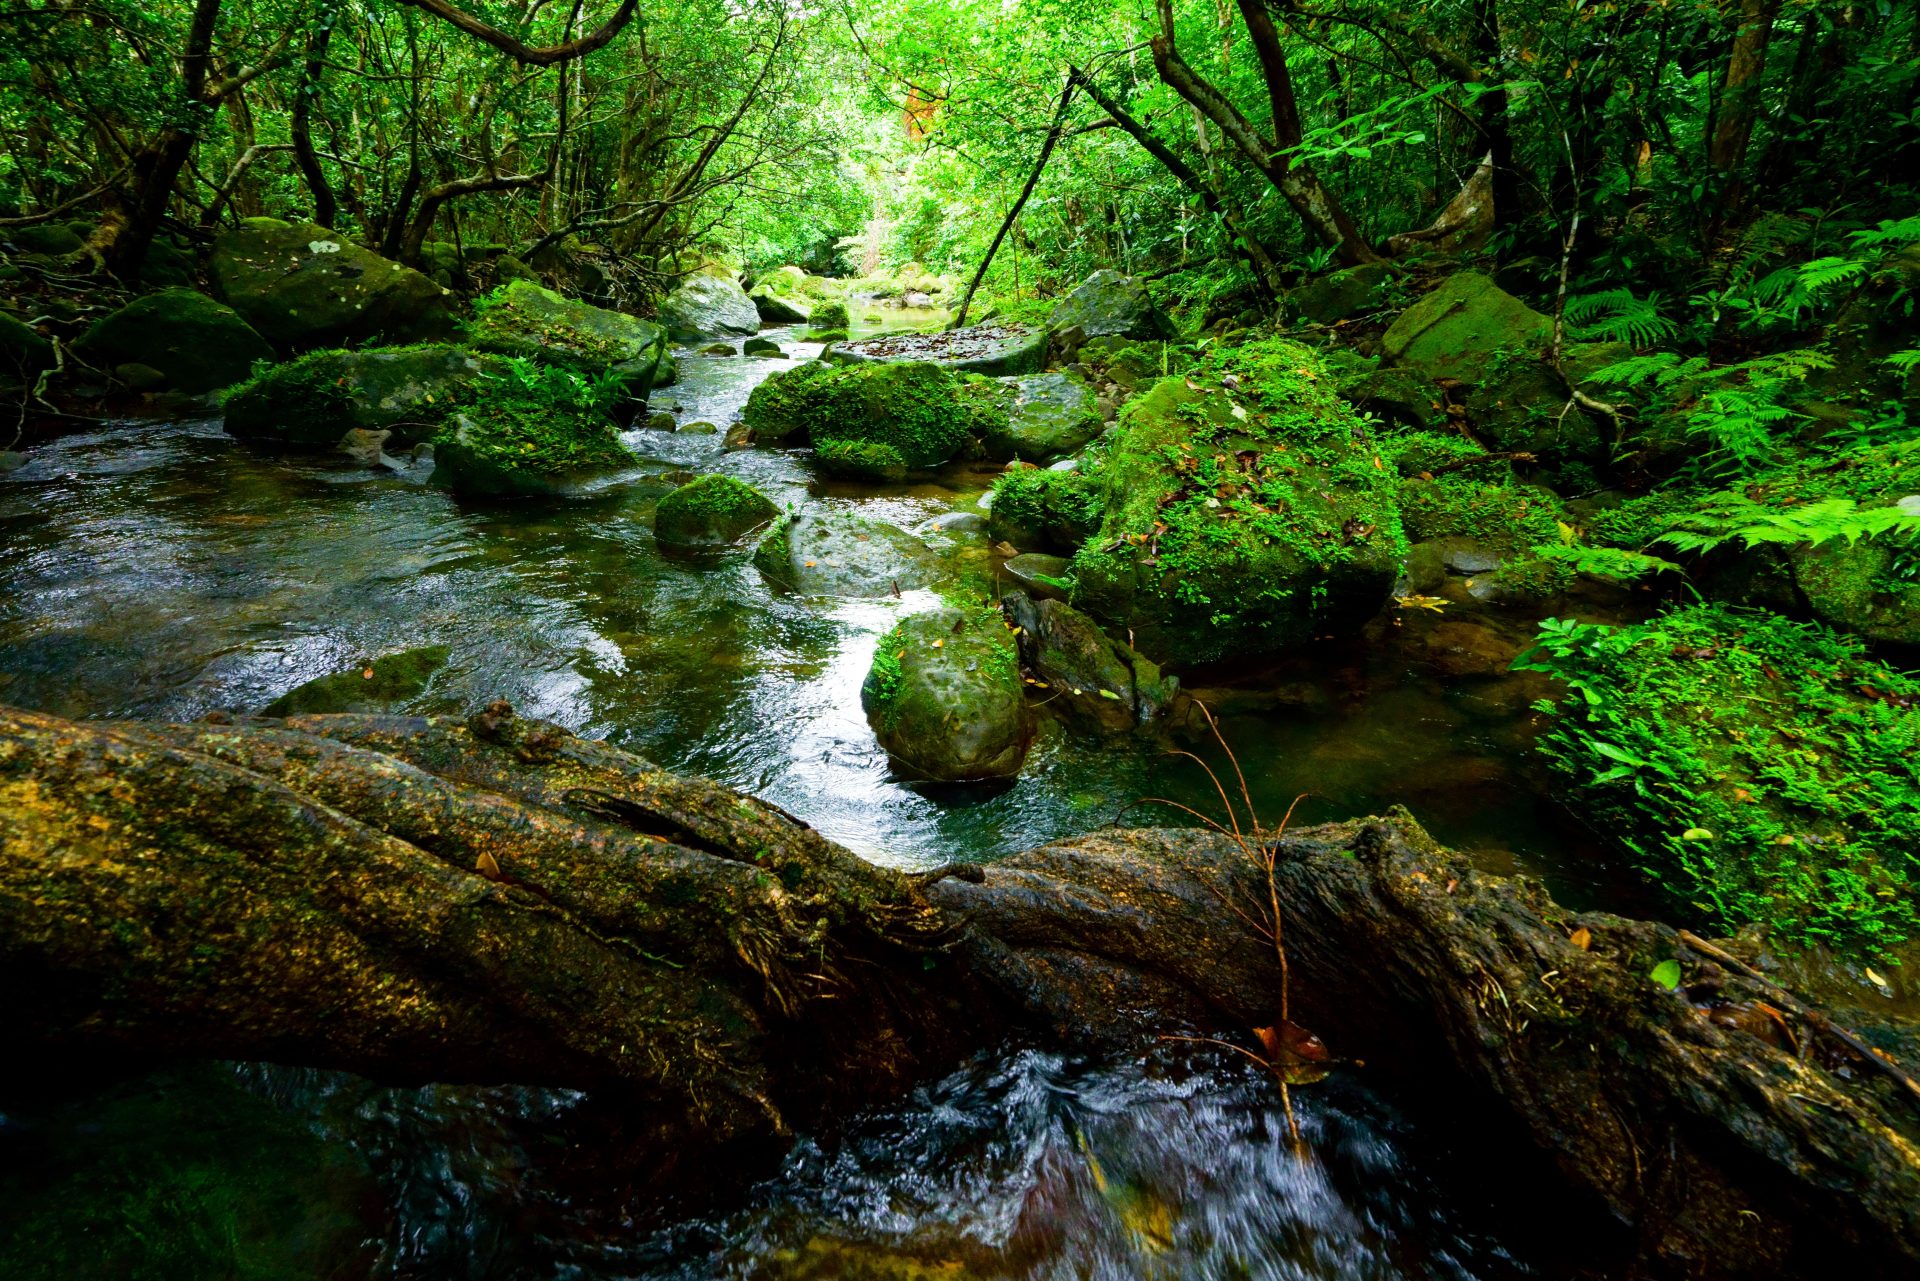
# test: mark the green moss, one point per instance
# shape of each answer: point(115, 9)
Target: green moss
point(382, 685)
point(830, 315)
point(1506, 517)
point(1758, 769)
point(866, 419)
point(1035, 509)
point(881, 692)
point(514, 438)
point(1244, 510)
point(711, 510)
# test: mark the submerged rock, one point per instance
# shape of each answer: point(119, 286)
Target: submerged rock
point(1109, 304)
point(525, 320)
point(312, 401)
point(194, 343)
point(300, 285)
point(821, 552)
point(709, 304)
point(761, 347)
point(1090, 675)
point(1244, 512)
point(945, 698)
point(383, 685)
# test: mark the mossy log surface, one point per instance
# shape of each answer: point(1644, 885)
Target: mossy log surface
point(495, 899)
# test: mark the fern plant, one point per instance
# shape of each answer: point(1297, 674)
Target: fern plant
point(1738, 410)
point(1615, 315)
point(1722, 518)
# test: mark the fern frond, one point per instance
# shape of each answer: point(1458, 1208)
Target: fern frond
point(1615, 315)
point(1606, 562)
point(1725, 517)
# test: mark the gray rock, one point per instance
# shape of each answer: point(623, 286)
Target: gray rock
point(998, 350)
point(661, 421)
point(819, 552)
point(1089, 674)
point(1108, 303)
point(300, 285)
point(1042, 575)
point(709, 305)
point(1046, 415)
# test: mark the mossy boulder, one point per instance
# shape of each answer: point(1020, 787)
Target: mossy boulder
point(1038, 417)
point(1244, 518)
point(300, 286)
point(709, 304)
point(1870, 588)
point(1456, 330)
point(712, 511)
point(1760, 770)
point(1039, 510)
point(523, 319)
point(1338, 295)
point(384, 685)
point(830, 315)
point(995, 349)
point(1507, 518)
point(313, 400)
point(1092, 677)
point(824, 335)
point(945, 698)
point(871, 421)
point(777, 308)
point(197, 344)
point(23, 352)
point(1108, 303)
point(512, 444)
point(50, 238)
point(820, 552)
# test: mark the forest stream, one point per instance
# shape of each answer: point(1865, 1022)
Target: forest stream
point(161, 569)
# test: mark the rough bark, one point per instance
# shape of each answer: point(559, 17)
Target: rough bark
point(1740, 90)
point(496, 899)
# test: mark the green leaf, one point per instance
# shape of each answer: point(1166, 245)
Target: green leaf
point(1667, 974)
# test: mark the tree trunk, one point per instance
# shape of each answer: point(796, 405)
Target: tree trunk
point(1318, 208)
point(1739, 96)
point(497, 900)
point(326, 211)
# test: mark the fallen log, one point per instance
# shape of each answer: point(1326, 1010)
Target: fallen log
point(496, 899)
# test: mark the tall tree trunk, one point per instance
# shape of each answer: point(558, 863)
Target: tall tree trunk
point(1259, 258)
point(1740, 97)
point(1317, 206)
point(305, 95)
point(1013, 212)
point(1493, 117)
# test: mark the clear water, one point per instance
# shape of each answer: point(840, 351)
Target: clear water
point(163, 570)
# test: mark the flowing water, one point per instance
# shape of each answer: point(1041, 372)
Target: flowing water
point(160, 569)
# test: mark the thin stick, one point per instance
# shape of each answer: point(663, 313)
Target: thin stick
point(1006, 224)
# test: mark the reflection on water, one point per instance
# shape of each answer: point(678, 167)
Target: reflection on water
point(162, 570)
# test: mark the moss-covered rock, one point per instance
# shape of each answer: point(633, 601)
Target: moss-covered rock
point(1501, 515)
point(1089, 675)
point(761, 347)
point(1242, 519)
point(709, 304)
point(871, 420)
point(1454, 331)
point(512, 443)
point(526, 320)
point(945, 698)
point(313, 400)
point(45, 238)
point(197, 344)
point(1108, 303)
point(1036, 509)
point(831, 315)
point(1760, 770)
point(1338, 295)
point(819, 552)
point(300, 286)
point(385, 685)
point(1036, 417)
point(23, 352)
point(777, 308)
point(712, 511)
